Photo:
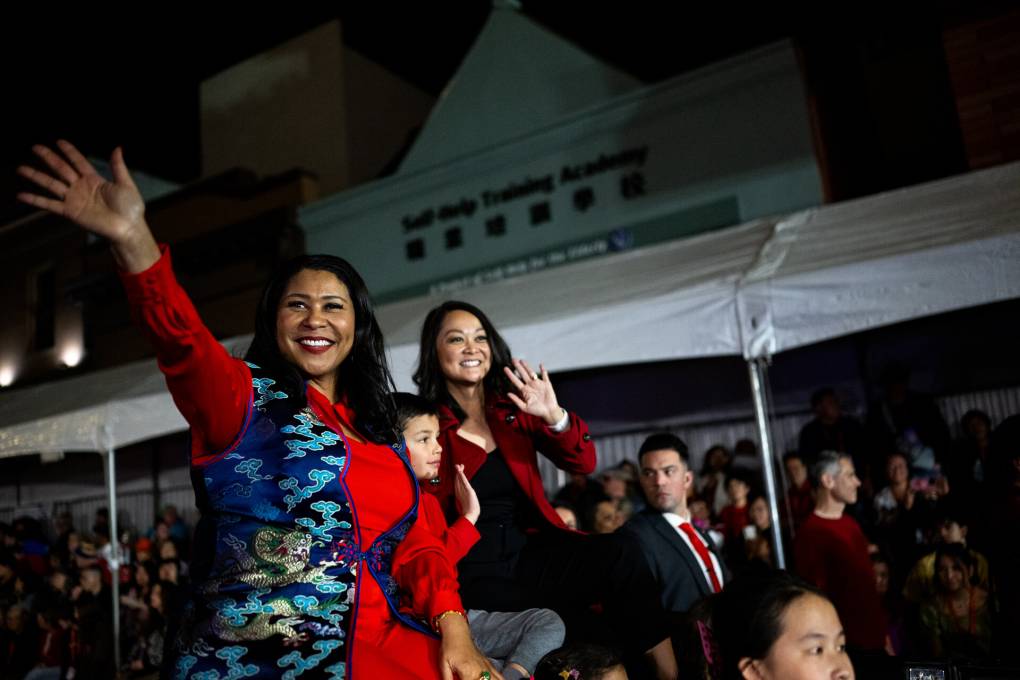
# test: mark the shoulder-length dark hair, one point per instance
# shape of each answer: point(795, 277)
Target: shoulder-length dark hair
point(363, 379)
point(428, 376)
point(960, 556)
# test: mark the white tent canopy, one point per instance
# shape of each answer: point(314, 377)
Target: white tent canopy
point(98, 411)
point(845, 268)
point(759, 288)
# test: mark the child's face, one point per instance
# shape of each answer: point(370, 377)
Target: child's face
point(952, 532)
point(423, 447)
point(698, 509)
point(812, 645)
point(737, 490)
point(881, 577)
point(759, 514)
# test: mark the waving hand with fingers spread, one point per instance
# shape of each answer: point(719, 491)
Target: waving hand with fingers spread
point(111, 209)
point(537, 396)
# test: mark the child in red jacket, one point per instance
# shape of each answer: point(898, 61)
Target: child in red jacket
point(514, 640)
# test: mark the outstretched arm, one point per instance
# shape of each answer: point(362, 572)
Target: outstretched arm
point(210, 389)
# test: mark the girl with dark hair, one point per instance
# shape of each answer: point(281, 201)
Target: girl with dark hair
point(496, 413)
point(957, 619)
point(773, 625)
point(308, 501)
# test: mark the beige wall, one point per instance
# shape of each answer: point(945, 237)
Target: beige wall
point(308, 103)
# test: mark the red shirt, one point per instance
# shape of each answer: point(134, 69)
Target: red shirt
point(457, 537)
point(734, 520)
point(833, 555)
point(802, 503)
point(519, 437)
point(212, 390)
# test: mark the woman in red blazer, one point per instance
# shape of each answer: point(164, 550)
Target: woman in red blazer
point(496, 413)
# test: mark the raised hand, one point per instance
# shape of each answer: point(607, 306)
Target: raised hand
point(114, 210)
point(536, 395)
point(467, 499)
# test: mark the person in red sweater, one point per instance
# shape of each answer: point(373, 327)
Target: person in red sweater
point(515, 640)
point(734, 516)
point(831, 552)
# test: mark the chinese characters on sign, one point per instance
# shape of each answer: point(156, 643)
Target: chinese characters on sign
point(494, 204)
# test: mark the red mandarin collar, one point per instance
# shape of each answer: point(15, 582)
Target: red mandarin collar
point(320, 402)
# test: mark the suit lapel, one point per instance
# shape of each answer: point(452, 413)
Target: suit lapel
point(671, 537)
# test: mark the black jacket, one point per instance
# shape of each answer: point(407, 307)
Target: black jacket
point(675, 567)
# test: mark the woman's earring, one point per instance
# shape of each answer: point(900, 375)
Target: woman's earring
point(435, 481)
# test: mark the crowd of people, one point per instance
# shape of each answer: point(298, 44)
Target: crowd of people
point(350, 531)
point(55, 594)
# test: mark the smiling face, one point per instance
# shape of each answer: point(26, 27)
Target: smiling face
point(463, 349)
point(758, 512)
point(423, 447)
point(315, 326)
point(812, 645)
point(896, 470)
point(952, 574)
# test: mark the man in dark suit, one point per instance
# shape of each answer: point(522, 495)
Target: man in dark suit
point(683, 560)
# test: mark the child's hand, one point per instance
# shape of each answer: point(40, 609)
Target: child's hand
point(467, 499)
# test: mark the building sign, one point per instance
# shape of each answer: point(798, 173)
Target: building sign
point(662, 163)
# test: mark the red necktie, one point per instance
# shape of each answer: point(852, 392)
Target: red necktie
point(706, 559)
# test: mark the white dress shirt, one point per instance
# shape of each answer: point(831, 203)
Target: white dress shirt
point(675, 521)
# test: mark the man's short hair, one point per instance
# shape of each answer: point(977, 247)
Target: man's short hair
point(664, 440)
point(827, 463)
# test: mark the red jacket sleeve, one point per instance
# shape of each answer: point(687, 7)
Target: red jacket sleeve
point(211, 389)
point(424, 571)
point(571, 450)
point(460, 537)
point(457, 537)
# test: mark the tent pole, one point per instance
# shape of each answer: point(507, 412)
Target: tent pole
point(111, 491)
point(756, 369)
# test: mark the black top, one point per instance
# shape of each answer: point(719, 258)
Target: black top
point(500, 521)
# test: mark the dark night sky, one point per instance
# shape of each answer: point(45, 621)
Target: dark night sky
point(133, 80)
